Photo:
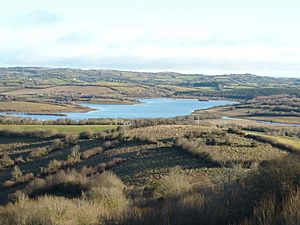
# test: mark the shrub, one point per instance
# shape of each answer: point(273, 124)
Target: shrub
point(56, 144)
point(100, 135)
point(87, 170)
point(8, 184)
point(26, 177)
point(35, 185)
point(74, 155)
point(71, 139)
point(108, 189)
point(113, 162)
point(28, 134)
point(110, 144)
point(86, 135)
point(145, 137)
point(101, 167)
point(173, 184)
point(91, 152)
point(50, 210)
point(212, 141)
point(38, 152)
point(104, 198)
point(53, 166)
point(19, 160)
point(16, 173)
point(68, 183)
point(234, 130)
point(6, 161)
point(229, 140)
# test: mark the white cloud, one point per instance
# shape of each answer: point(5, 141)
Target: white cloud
point(125, 39)
point(36, 18)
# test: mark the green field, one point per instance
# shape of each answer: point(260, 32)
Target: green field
point(59, 128)
point(284, 140)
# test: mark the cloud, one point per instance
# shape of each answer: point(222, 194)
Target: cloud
point(21, 57)
point(36, 18)
point(76, 37)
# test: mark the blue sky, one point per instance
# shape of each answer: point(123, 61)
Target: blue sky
point(210, 37)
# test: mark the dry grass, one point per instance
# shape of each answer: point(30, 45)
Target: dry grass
point(105, 198)
point(108, 189)
point(51, 210)
point(174, 184)
point(291, 213)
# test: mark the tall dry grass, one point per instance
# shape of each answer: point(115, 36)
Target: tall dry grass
point(103, 199)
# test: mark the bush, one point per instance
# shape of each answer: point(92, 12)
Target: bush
point(26, 177)
point(16, 173)
point(6, 161)
point(74, 156)
point(38, 152)
point(9, 184)
point(110, 144)
point(91, 152)
point(104, 198)
point(264, 197)
point(101, 167)
point(196, 149)
point(146, 138)
point(86, 135)
point(68, 183)
point(173, 184)
point(53, 166)
point(71, 139)
point(108, 189)
point(50, 210)
point(28, 134)
point(100, 135)
point(19, 160)
point(56, 144)
point(112, 163)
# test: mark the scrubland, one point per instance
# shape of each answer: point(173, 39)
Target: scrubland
point(150, 173)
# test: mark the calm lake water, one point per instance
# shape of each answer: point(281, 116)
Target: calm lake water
point(150, 108)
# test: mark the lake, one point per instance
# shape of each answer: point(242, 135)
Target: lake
point(149, 108)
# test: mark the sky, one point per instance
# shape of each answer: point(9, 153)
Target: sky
point(189, 36)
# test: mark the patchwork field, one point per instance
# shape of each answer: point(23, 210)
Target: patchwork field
point(85, 90)
point(280, 109)
point(35, 107)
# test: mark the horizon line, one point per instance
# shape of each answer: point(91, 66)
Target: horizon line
point(153, 72)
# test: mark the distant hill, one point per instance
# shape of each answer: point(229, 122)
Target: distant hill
point(21, 83)
point(28, 76)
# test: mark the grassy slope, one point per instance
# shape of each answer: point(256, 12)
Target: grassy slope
point(149, 161)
